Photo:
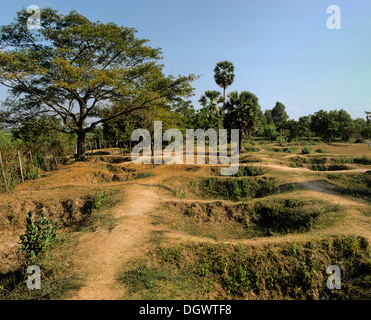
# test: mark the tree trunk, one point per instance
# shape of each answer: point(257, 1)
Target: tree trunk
point(81, 145)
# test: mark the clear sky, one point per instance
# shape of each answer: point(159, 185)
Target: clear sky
point(282, 50)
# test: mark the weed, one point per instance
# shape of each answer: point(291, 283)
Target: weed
point(96, 202)
point(38, 236)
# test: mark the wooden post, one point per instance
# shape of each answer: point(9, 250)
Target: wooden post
point(20, 165)
point(3, 172)
point(55, 159)
point(91, 149)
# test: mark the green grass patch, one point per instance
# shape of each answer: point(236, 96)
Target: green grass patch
point(276, 271)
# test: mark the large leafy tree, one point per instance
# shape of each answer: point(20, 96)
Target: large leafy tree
point(330, 124)
point(279, 114)
point(243, 111)
point(224, 75)
point(74, 69)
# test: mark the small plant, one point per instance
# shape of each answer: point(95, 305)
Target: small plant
point(290, 150)
point(180, 195)
point(96, 202)
point(11, 217)
point(281, 141)
point(39, 234)
point(306, 150)
point(321, 151)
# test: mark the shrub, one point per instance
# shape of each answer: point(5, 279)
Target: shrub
point(281, 141)
point(364, 160)
point(250, 171)
point(306, 150)
point(96, 202)
point(39, 234)
point(284, 216)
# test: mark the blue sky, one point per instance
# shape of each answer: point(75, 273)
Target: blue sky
point(282, 50)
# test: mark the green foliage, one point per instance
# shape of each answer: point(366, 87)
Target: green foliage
point(242, 113)
point(268, 131)
point(279, 271)
point(60, 77)
point(330, 124)
point(279, 114)
point(237, 189)
point(39, 234)
point(363, 160)
point(180, 194)
point(284, 216)
point(224, 74)
point(306, 150)
point(93, 203)
point(250, 171)
point(281, 141)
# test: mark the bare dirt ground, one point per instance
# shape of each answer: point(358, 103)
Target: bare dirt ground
point(103, 252)
point(99, 256)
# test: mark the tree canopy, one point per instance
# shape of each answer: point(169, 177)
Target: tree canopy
point(242, 112)
point(224, 74)
point(75, 69)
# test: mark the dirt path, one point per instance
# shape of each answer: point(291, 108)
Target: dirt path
point(103, 253)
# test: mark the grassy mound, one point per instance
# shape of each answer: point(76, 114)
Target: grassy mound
point(280, 271)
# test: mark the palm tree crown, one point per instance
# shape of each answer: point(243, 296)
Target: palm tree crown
point(224, 74)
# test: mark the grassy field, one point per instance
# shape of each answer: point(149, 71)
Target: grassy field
point(184, 232)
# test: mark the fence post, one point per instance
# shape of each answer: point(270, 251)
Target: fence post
point(55, 158)
point(20, 165)
point(91, 149)
point(3, 173)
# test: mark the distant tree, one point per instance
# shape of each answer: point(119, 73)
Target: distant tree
point(279, 114)
point(242, 112)
point(212, 102)
point(269, 131)
point(268, 116)
point(304, 126)
point(73, 69)
point(224, 75)
point(186, 109)
point(366, 131)
point(291, 127)
point(262, 119)
point(330, 124)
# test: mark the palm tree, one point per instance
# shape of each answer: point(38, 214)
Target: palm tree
point(211, 103)
point(242, 113)
point(224, 74)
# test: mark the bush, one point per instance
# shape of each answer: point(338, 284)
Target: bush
point(39, 234)
point(306, 150)
point(250, 171)
point(237, 189)
point(284, 217)
point(281, 141)
point(96, 202)
point(364, 160)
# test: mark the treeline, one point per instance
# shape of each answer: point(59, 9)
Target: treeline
point(273, 124)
